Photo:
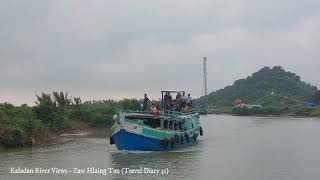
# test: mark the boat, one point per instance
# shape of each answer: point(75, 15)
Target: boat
point(166, 130)
point(203, 111)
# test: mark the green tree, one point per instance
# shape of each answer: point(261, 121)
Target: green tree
point(47, 111)
point(130, 104)
point(316, 97)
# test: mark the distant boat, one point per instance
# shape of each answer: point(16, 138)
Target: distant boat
point(168, 130)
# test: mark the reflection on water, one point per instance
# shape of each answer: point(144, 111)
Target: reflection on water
point(232, 147)
point(180, 163)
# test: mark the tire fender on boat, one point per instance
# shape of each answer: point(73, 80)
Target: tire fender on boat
point(194, 137)
point(181, 139)
point(177, 138)
point(166, 142)
point(186, 135)
point(111, 140)
point(172, 140)
point(201, 131)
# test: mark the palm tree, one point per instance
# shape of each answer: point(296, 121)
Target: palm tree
point(43, 98)
point(77, 100)
point(61, 99)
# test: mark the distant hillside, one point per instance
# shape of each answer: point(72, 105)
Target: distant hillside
point(285, 87)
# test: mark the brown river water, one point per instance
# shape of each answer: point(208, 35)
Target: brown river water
point(232, 148)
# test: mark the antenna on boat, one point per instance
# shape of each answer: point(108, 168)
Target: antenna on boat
point(205, 90)
point(205, 76)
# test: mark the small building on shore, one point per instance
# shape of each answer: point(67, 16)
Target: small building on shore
point(238, 103)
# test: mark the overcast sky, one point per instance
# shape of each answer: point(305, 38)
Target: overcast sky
point(100, 49)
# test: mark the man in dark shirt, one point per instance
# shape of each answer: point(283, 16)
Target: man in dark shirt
point(167, 100)
point(169, 96)
point(145, 102)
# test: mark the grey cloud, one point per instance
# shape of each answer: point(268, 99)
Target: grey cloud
point(138, 46)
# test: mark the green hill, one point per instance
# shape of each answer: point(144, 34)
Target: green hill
point(267, 86)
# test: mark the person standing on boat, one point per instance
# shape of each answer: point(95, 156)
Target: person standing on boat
point(189, 101)
point(167, 100)
point(169, 96)
point(178, 102)
point(145, 102)
point(184, 99)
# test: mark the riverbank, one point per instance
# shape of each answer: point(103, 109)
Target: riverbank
point(56, 114)
point(12, 138)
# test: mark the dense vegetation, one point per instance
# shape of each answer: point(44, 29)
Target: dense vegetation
point(55, 113)
point(276, 90)
point(262, 83)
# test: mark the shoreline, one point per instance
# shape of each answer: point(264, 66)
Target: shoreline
point(264, 115)
point(81, 129)
point(229, 111)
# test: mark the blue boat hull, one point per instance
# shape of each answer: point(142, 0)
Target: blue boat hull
point(133, 142)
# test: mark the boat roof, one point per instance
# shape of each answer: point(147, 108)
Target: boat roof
point(140, 115)
point(172, 91)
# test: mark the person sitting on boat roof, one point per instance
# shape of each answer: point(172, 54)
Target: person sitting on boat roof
point(158, 107)
point(145, 102)
point(185, 108)
point(155, 110)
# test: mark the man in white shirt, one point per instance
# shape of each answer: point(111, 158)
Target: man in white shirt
point(189, 101)
point(184, 99)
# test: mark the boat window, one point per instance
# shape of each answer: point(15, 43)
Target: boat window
point(152, 121)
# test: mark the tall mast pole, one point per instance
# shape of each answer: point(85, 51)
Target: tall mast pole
point(205, 90)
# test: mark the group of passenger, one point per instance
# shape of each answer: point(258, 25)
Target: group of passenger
point(181, 103)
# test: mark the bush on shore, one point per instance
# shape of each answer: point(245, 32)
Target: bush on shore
point(55, 112)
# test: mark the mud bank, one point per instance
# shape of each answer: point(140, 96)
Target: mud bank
point(13, 138)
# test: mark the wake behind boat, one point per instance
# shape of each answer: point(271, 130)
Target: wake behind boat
point(175, 125)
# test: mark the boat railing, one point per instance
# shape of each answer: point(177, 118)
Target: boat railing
point(165, 113)
point(132, 111)
point(172, 113)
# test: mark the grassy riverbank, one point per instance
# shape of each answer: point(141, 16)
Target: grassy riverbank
point(54, 115)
